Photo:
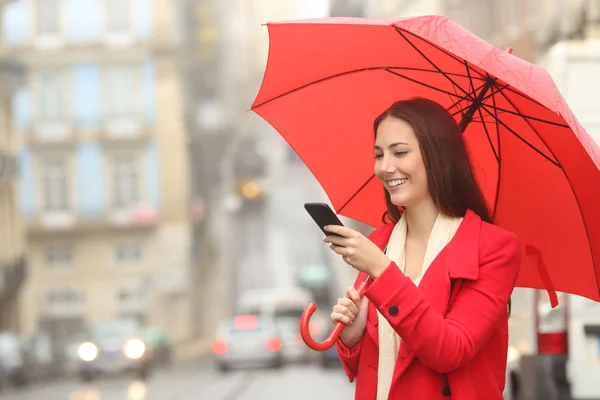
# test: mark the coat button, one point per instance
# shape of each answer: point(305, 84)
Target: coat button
point(393, 311)
point(446, 391)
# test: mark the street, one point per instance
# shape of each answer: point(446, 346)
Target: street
point(200, 380)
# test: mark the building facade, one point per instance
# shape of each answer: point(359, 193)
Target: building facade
point(103, 163)
point(13, 263)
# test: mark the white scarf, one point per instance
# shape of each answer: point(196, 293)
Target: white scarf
point(443, 230)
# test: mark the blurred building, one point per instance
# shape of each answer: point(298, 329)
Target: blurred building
point(104, 185)
point(12, 243)
point(246, 185)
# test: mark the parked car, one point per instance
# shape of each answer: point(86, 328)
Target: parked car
point(284, 306)
point(13, 362)
point(245, 341)
point(114, 347)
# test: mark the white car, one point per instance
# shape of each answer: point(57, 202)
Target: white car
point(114, 347)
point(13, 366)
point(246, 341)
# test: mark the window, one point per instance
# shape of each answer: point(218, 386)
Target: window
point(55, 185)
point(118, 16)
point(51, 98)
point(120, 91)
point(125, 181)
point(128, 253)
point(131, 295)
point(48, 17)
point(59, 256)
point(65, 297)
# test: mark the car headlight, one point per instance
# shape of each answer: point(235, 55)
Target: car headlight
point(135, 349)
point(87, 351)
point(513, 354)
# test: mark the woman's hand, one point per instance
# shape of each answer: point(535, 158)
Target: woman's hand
point(352, 311)
point(357, 250)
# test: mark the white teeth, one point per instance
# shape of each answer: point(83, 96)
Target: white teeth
point(397, 182)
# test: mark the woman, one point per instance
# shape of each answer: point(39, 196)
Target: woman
point(433, 323)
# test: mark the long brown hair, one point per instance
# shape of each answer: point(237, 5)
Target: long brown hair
point(450, 178)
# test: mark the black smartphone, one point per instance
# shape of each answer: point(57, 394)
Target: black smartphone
point(323, 215)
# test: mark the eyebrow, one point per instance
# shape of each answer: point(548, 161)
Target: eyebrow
point(390, 146)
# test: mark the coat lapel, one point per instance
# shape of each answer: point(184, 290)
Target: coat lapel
point(457, 261)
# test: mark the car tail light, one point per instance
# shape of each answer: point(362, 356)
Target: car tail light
point(245, 322)
point(551, 324)
point(219, 347)
point(274, 344)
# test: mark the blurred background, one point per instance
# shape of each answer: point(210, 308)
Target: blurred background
point(154, 230)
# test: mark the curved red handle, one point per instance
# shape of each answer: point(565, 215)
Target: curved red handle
point(335, 333)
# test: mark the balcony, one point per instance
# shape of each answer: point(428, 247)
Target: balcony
point(124, 129)
point(69, 132)
point(54, 223)
point(12, 277)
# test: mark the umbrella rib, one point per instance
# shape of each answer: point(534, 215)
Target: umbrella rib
point(456, 58)
point(433, 71)
point(467, 97)
point(485, 107)
point(459, 111)
point(471, 80)
point(524, 116)
point(354, 71)
point(570, 185)
point(526, 97)
point(355, 193)
point(487, 134)
point(421, 83)
point(453, 56)
point(477, 99)
point(497, 195)
point(485, 98)
point(428, 60)
point(501, 88)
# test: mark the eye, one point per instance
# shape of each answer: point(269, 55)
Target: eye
point(400, 153)
point(378, 156)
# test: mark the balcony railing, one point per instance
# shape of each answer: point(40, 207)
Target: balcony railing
point(74, 222)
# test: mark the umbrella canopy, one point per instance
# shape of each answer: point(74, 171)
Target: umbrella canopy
point(326, 81)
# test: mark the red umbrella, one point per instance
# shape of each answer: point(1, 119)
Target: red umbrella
point(327, 79)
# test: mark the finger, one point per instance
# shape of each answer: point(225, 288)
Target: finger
point(341, 230)
point(352, 294)
point(344, 311)
point(349, 304)
point(342, 251)
point(337, 240)
point(336, 317)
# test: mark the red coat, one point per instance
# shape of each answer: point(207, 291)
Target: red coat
point(454, 345)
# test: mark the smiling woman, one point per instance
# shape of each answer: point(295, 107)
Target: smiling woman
point(426, 322)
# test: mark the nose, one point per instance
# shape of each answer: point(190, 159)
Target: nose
point(387, 165)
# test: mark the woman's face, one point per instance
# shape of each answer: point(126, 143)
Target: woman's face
point(399, 164)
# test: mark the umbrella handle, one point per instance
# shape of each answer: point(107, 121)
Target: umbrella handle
point(335, 333)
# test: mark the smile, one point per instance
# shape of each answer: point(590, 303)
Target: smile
point(396, 182)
